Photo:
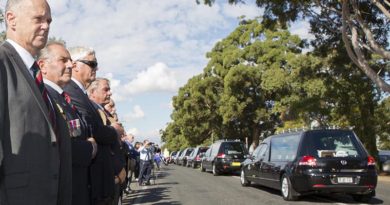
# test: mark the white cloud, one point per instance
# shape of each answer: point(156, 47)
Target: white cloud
point(134, 131)
point(155, 78)
point(301, 29)
point(136, 113)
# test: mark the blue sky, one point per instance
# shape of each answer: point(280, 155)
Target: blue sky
point(147, 48)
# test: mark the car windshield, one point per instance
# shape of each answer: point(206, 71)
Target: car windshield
point(333, 144)
point(234, 148)
point(203, 150)
point(188, 152)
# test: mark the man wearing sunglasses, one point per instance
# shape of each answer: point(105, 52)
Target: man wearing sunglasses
point(102, 170)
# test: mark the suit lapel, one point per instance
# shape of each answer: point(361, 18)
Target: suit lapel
point(20, 68)
point(85, 98)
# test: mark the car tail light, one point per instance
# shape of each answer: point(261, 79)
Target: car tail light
point(221, 155)
point(308, 161)
point(370, 161)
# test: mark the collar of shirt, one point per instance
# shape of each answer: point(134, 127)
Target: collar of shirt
point(100, 107)
point(27, 58)
point(53, 85)
point(80, 85)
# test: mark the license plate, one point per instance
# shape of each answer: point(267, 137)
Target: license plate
point(344, 180)
point(236, 163)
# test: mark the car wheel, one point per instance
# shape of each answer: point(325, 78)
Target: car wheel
point(202, 169)
point(243, 179)
point(215, 171)
point(287, 189)
point(364, 198)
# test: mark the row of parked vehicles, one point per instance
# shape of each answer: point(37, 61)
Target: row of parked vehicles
point(296, 163)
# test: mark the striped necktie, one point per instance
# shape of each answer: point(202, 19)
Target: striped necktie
point(39, 81)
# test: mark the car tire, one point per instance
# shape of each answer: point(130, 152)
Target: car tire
point(202, 169)
point(215, 171)
point(244, 181)
point(287, 190)
point(364, 198)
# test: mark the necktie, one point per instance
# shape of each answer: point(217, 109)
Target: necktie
point(68, 100)
point(39, 81)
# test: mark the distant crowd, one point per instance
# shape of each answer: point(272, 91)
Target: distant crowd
point(60, 138)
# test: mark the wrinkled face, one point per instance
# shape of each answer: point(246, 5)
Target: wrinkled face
point(102, 94)
point(86, 73)
point(30, 24)
point(58, 66)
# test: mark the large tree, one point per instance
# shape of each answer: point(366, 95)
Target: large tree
point(196, 109)
point(2, 34)
point(361, 24)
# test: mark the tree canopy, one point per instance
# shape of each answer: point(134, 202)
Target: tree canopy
point(362, 25)
point(259, 80)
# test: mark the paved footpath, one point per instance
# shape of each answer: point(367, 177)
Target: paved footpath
point(151, 194)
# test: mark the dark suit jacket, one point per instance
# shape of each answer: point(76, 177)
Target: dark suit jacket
point(117, 155)
point(29, 151)
point(101, 171)
point(81, 151)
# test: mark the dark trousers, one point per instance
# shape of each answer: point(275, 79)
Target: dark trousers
point(145, 170)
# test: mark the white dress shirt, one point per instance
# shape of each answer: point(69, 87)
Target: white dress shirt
point(145, 154)
point(80, 85)
point(27, 58)
point(53, 85)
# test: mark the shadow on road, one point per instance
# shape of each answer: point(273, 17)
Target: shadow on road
point(323, 198)
point(157, 193)
point(151, 195)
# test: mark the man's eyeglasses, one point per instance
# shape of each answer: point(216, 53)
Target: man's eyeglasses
point(92, 64)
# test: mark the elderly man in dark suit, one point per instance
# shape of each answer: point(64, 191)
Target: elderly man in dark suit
point(31, 128)
point(102, 173)
point(56, 67)
point(99, 93)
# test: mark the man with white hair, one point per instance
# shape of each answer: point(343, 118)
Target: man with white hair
point(102, 173)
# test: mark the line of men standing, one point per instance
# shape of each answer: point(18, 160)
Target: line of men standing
point(58, 145)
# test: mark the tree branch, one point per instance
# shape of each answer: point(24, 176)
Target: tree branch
point(381, 7)
point(356, 55)
point(370, 37)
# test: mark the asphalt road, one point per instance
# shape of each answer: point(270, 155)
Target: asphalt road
point(181, 185)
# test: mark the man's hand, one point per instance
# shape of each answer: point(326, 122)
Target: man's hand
point(119, 129)
point(94, 146)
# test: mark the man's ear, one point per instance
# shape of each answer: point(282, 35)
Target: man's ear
point(10, 19)
point(42, 66)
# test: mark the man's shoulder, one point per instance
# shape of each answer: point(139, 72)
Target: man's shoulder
point(70, 87)
point(5, 49)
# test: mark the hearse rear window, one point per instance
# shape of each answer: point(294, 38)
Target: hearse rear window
point(333, 144)
point(234, 148)
point(284, 148)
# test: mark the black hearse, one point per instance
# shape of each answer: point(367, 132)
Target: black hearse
point(312, 161)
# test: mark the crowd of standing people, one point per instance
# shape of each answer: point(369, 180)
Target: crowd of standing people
point(60, 138)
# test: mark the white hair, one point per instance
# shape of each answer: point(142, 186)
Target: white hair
point(80, 52)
